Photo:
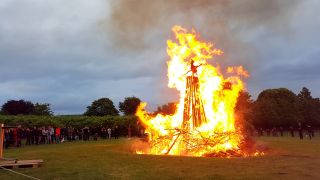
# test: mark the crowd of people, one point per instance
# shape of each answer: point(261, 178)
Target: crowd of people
point(54, 135)
point(302, 131)
point(18, 136)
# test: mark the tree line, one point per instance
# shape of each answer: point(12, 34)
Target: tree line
point(100, 107)
point(272, 108)
point(279, 108)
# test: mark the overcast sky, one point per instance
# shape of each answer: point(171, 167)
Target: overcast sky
point(69, 53)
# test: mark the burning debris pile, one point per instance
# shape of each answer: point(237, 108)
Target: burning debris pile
point(204, 123)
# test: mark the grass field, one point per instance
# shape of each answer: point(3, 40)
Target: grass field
point(287, 158)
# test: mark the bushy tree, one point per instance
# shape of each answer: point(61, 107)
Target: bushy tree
point(276, 107)
point(309, 107)
point(42, 109)
point(129, 105)
point(14, 107)
point(102, 107)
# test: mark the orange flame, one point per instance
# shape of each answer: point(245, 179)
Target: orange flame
point(218, 134)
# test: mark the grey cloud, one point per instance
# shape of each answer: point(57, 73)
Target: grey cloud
point(69, 53)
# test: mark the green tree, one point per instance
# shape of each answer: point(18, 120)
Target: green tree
point(276, 107)
point(14, 107)
point(42, 109)
point(309, 107)
point(129, 105)
point(102, 107)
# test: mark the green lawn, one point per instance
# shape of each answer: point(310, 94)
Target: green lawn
point(287, 158)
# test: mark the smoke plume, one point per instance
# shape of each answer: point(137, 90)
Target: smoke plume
point(144, 24)
point(134, 19)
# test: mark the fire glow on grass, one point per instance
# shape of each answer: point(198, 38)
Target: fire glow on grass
point(217, 135)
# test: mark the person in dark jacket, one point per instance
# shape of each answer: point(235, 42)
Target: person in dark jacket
point(116, 132)
point(28, 136)
point(309, 130)
point(6, 139)
point(291, 131)
point(86, 132)
point(19, 136)
point(300, 130)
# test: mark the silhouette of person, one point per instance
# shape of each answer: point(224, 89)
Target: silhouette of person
point(281, 130)
point(291, 131)
point(300, 130)
point(193, 67)
point(309, 130)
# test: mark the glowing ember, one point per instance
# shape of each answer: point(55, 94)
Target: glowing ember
point(204, 123)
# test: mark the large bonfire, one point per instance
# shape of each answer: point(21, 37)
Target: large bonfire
point(204, 122)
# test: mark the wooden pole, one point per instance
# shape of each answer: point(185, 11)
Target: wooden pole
point(1, 140)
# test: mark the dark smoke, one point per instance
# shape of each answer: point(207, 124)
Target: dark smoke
point(144, 24)
point(133, 19)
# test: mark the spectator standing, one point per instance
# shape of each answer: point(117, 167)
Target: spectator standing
point(51, 134)
point(6, 139)
point(95, 133)
point(291, 131)
point(33, 135)
point(80, 133)
point(300, 130)
point(11, 137)
point(281, 131)
point(309, 130)
point(70, 132)
point(29, 136)
point(19, 136)
point(58, 133)
point(103, 133)
point(268, 132)
point(64, 133)
point(44, 133)
point(48, 135)
point(39, 135)
point(86, 133)
point(75, 134)
point(116, 132)
point(109, 132)
point(274, 132)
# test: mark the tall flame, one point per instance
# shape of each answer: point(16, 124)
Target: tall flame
point(218, 95)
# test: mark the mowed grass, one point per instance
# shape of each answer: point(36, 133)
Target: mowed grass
point(287, 158)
